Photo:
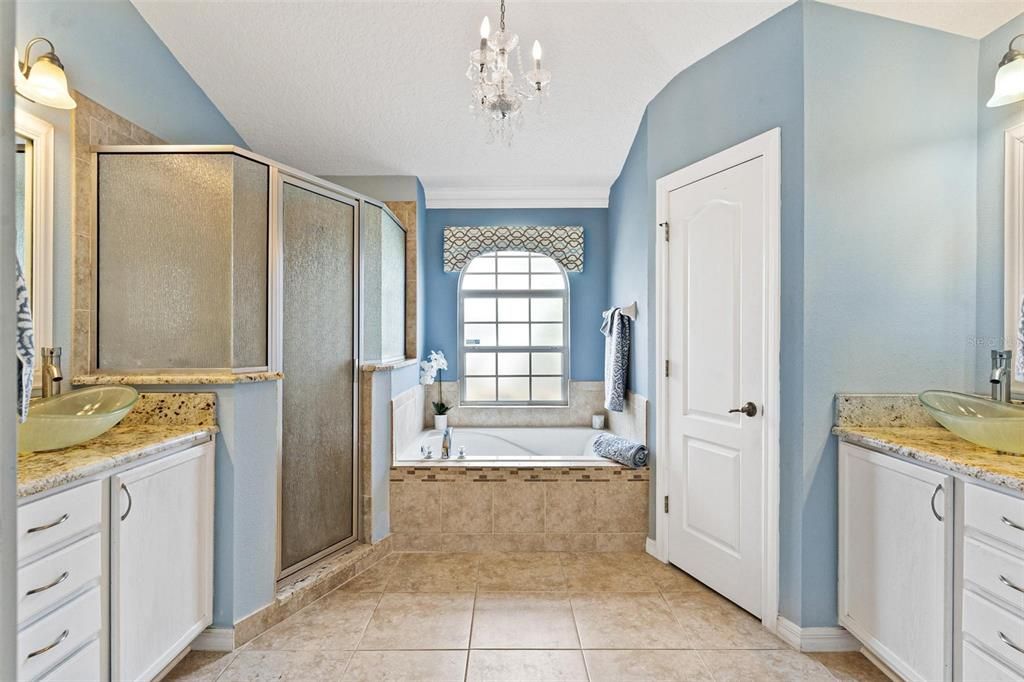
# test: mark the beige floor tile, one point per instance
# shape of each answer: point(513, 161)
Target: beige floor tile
point(434, 572)
point(667, 577)
point(523, 666)
point(628, 621)
point(420, 621)
point(647, 665)
point(373, 579)
point(333, 623)
point(406, 666)
point(523, 620)
point(764, 666)
point(286, 666)
point(718, 623)
point(850, 666)
point(605, 572)
point(201, 666)
point(520, 571)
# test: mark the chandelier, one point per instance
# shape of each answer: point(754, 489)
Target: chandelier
point(498, 96)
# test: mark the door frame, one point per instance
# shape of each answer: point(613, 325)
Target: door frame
point(768, 145)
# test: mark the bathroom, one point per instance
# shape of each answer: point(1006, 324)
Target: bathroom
point(348, 393)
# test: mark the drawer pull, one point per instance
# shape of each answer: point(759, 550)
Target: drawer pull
point(64, 576)
point(936, 514)
point(1003, 579)
point(61, 638)
point(1011, 524)
point(1008, 642)
point(129, 509)
point(62, 519)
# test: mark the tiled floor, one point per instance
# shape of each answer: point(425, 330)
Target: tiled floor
point(521, 617)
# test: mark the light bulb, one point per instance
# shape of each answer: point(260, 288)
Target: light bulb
point(536, 50)
point(485, 28)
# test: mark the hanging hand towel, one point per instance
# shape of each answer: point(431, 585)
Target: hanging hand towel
point(616, 358)
point(25, 346)
point(1019, 369)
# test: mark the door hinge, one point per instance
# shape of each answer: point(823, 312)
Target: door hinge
point(665, 225)
point(666, 368)
point(666, 504)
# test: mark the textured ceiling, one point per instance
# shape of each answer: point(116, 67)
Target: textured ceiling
point(377, 87)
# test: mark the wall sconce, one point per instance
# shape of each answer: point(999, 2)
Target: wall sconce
point(1009, 78)
point(43, 82)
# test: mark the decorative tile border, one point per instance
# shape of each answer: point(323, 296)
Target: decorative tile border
point(563, 243)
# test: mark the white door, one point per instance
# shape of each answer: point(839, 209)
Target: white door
point(717, 345)
point(161, 560)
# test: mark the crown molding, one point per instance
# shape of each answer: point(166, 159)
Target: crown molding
point(517, 197)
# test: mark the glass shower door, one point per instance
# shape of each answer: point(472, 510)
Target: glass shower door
point(318, 460)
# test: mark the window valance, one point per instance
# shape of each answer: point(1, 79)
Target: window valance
point(563, 243)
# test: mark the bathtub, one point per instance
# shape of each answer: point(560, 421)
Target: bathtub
point(524, 446)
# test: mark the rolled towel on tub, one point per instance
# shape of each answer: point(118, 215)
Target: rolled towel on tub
point(618, 449)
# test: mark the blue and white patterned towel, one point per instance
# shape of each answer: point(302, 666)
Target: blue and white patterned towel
point(25, 346)
point(620, 450)
point(1019, 369)
point(616, 358)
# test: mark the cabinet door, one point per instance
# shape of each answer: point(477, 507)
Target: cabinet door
point(161, 561)
point(896, 561)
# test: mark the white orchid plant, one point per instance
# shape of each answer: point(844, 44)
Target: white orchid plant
point(432, 367)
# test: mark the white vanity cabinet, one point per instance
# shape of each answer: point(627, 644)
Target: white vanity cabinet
point(896, 561)
point(161, 561)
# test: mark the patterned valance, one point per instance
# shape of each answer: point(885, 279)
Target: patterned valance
point(563, 243)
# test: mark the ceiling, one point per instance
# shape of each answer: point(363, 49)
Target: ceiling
point(377, 87)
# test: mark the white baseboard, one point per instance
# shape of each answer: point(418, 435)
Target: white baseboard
point(215, 639)
point(653, 549)
point(816, 639)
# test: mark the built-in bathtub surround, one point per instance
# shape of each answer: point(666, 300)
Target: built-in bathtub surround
point(483, 509)
point(632, 422)
point(586, 398)
point(407, 418)
point(92, 124)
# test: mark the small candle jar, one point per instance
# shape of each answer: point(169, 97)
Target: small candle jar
point(597, 421)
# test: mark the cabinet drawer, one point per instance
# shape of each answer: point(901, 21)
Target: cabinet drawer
point(995, 514)
point(84, 666)
point(54, 519)
point(980, 667)
point(995, 571)
point(994, 627)
point(45, 642)
point(43, 583)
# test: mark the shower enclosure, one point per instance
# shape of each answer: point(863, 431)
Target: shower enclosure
point(215, 260)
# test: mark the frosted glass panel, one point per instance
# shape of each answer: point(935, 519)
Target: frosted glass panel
point(547, 363)
point(514, 310)
point(547, 388)
point(392, 288)
point(480, 389)
point(318, 464)
point(513, 363)
point(182, 261)
point(513, 334)
point(546, 335)
point(479, 310)
point(481, 335)
point(371, 282)
point(480, 364)
point(546, 309)
point(513, 388)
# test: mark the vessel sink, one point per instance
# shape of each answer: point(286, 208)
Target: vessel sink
point(985, 422)
point(75, 417)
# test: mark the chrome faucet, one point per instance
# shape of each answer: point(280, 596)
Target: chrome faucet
point(52, 376)
point(1002, 360)
point(446, 443)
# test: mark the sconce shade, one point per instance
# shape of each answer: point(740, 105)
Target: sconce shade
point(1009, 87)
point(43, 82)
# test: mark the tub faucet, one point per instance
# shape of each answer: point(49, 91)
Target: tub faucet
point(446, 443)
point(52, 376)
point(1002, 360)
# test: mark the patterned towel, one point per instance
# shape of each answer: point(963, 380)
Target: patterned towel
point(1019, 369)
point(620, 450)
point(25, 346)
point(616, 358)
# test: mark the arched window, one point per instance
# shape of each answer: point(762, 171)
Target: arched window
point(514, 330)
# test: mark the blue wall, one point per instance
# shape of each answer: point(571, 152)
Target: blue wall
point(889, 239)
point(991, 124)
point(114, 57)
point(588, 290)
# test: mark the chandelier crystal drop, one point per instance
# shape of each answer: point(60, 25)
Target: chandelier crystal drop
point(498, 95)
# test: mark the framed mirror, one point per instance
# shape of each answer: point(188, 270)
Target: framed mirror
point(33, 190)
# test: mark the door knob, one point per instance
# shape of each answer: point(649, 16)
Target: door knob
point(749, 409)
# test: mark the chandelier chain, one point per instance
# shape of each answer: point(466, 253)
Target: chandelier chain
point(502, 20)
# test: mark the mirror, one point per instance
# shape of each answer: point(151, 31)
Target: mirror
point(23, 205)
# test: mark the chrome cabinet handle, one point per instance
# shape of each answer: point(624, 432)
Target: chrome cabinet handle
point(40, 652)
point(129, 509)
point(63, 576)
point(1011, 524)
point(934, 494)
point(62, 519)
point(1004, 580)
point(1006, 640)
point(749, 409)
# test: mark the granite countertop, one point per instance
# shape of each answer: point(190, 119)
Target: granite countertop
point(176, 378)
point(898, 427)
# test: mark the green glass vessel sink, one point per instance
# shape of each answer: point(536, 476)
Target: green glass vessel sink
point(75, 417)
point(985, 422)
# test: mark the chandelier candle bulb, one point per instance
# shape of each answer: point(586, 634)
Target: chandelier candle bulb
point(485, 33)
point(536, 55)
